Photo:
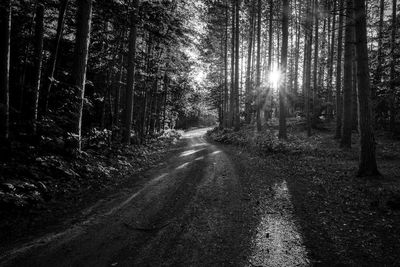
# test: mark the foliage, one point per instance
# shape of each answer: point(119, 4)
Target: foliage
point(265, 142)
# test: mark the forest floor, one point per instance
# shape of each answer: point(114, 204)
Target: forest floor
point(42, 188)
point(238, 199)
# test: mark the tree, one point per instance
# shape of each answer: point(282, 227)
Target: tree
point(84, 18)
point(338, 132)
point(54, 54)
point(5, 29)
point(367, 165)
point(38, 54)
point(232, 92)
point(258, 69)
point(331, 61)
point(284, 53)
point(307, 65)
point(316, 61)
point(130, 85)
point(393, 68)
point(237, 55)
point(348, 78)
point(248, 70)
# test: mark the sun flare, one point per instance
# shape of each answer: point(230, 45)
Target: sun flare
point(274, 78)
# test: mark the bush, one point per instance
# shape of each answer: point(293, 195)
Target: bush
point(265, 142)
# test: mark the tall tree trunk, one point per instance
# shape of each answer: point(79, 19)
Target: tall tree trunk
point(226, 89)
point(232, 93)
point(379, 67)
point(297, 55)
point(338, 133)
point(354, 91)
point(270, 47)
point(348, 78)
point(367, 166)
point(130, 84)
point(316, 62)
point(38, 57)
point(258, 69)
point(84, 18)
point(5, 30)
point(54, 55)
point(284, 52)
point(393, 68)
point(307, 60)
point(117, 97)
point(248, 70)
point(331, 63)
point(237, 106)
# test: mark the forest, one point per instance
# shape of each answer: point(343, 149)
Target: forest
point(199, 133)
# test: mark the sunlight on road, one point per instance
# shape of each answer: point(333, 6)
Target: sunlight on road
point(278, 241)
point(216, 152)
point(190, 152)
point(182, 166)
point(196, 133)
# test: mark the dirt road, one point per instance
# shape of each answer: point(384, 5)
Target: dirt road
point(205, 206)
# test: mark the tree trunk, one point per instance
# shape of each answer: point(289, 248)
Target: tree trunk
point(226, 89)
point(84, 18)
point(5, 30)
point(348, 78)
point(232, 93)
point(248, 70)
point(330, 64)
point(379, 69)
point(354, 91)
point(270, 47)
point(338, 133)
point(307, 60)
point(258, 70)
point(54, 55)
point(367, 166)
point(297, 56)
point(284, 52)
point(392, 100)
point(38, 56)
point(130, 84)
point(236, 102)
point(316, 62)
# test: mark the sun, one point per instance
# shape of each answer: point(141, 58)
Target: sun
point(275, 77)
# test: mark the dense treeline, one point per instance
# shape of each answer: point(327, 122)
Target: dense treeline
point(321, 60)
point(118, 67)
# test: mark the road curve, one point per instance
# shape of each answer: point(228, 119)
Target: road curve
point(196, 209)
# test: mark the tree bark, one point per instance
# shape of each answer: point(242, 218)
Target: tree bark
point(54, 55)
point(331, 63)
point(130, 84)
point(367, 165)
point(338, 133)
point(84, 18)
point(236, 101)
point(5, 30)
point(232, 92)
point(348, 78)
point(316, 62)
point(226, 89)
point(392, 100)
point(307, 60)
point(248, 70)
point(284, 52)
point(258, 70)
point(38, 57)
point(379, 67)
